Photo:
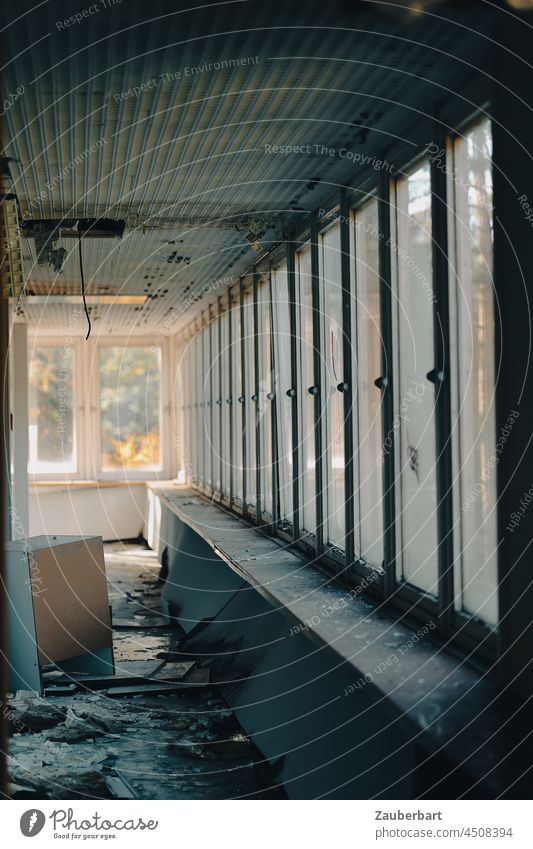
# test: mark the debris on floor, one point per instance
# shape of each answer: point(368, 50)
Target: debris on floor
point(168, 736)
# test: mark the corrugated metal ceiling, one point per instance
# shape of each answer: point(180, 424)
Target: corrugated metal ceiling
point(185, 159)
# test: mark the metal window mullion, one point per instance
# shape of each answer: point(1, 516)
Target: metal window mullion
point(441, 372)
point(387, 387)
point(347, 377)
point(317, 377)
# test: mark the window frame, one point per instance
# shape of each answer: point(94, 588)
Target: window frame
point(80, 406)
point(404, 598)
point(463, 619)
point(165, 410)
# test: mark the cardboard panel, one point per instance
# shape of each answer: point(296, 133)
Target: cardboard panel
point(70, 598)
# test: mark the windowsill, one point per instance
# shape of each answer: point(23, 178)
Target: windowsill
point(447, 705)
point(83, 484)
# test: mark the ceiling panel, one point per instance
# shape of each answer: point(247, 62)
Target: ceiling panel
point(183, 162)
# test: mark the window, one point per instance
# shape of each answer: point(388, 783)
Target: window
point(216, 421)
point(225, 398)
point(307, 487)
point(367, 367)
point(250, 397)
point(265, 396)
point(52, 432)
point(283, 386)
point(182, 442)
point(472, 348)
point(287, 390)
point(207, 404)
point(191, 465)
point(413, 427)
point(199, 406)
point(236, 406)
point(333, 378)
point(130, 408)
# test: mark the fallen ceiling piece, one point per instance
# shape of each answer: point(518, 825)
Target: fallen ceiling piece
point(198, 679)
point(37, 716)
point(133, 673)
point(141, 623)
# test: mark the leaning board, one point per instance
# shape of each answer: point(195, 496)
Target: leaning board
point(58, 606)
point(69, 597)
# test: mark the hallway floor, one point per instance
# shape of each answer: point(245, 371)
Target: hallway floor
point(180, 745)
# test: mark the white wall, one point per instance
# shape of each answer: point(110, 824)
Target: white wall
point(109, 512)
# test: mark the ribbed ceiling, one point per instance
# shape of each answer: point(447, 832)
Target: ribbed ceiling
point(184, 162)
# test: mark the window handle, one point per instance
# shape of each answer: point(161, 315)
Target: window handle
point(271, 396)
point(313, 390)
point(381, 382)
point(229, 400)
point(343, 387)
point(435, 376)
point(209, 403)
point(291, 393)
point(218, 402)
point(254, 398)
point(240, 399)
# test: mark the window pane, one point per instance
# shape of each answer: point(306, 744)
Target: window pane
point(415, 399)
point(199, 409)
point(52, 443)
point(306, 379)
point(476, 567)
point(216, 405)
point(191, 401)
point(283, 382)
point(224, 398)
point(332, 357)
point(265, 389)
point(367, 401)
point(236, 407)
point(249, 404)
point(207, 375)
point(129, 408)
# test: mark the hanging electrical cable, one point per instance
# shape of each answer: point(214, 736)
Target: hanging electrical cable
point(83, 285)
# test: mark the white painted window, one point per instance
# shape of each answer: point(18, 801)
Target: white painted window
point(249, 397)
point(413, 426)
point(130, 408)
point(332, 377)
point(265, 390)
point(307, 482)
point(199, 409)
point(369, 447)
point(216, 432)
point(236, 406)
point(225, 406)
point(473, 367)
point(283, 383)
point(193, 409)
point(206, 404)
point(52, 411)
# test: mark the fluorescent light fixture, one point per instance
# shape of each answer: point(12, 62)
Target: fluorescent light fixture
point(91, 299)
